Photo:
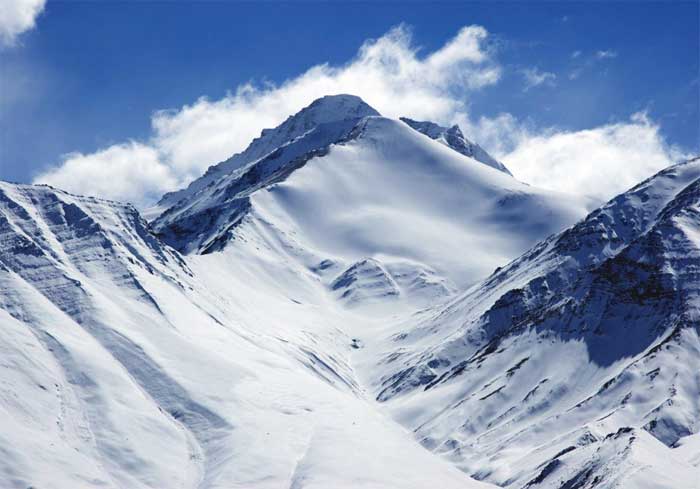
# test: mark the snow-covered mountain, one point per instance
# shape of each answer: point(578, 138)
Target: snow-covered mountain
point(321, 310)
point(351, 186)
point(576, 365)
point(125, 365)
point(322, 111)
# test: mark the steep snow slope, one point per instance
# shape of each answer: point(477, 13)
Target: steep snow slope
point(452, 137)
point(577, 365)
point(357, 189)
point(393, 195)
point(324, 110)
point(125, 367)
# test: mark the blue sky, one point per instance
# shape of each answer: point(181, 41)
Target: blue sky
point(91, 74)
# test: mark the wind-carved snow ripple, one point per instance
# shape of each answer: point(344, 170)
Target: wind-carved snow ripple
point(25, 250)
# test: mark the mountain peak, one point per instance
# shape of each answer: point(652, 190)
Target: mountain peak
point(453, 137)
point(325, 110)
point(455, 130)
point(338, 107)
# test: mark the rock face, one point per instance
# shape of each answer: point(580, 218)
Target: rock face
point(452, 137)
point(335, 307)
point(589, 339)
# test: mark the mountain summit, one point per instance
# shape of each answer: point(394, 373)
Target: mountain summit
point(331, 108)
point(355, 185)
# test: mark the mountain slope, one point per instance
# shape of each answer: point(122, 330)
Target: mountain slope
point(574, 366)
point(324, 110)
point(123, 365)
point(333, 311)
point(354, 189)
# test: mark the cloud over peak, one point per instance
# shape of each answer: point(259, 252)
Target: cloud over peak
point(393, 76)
point(388, 73)
point(599, 162)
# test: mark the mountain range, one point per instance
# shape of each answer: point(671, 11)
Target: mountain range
point(353, 301)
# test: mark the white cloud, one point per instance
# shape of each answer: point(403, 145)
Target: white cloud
point(589, 62)
point(606, 54)
point(387, 73)
point(599, 162)
point(498, 135)
point(16, 17)
point(130, 171)
point(534, 77)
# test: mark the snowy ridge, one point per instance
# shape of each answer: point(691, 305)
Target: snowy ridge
point(321, 111)
point(593, 332)
point(70, 263)
point(203, 223)
point(452, 137)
